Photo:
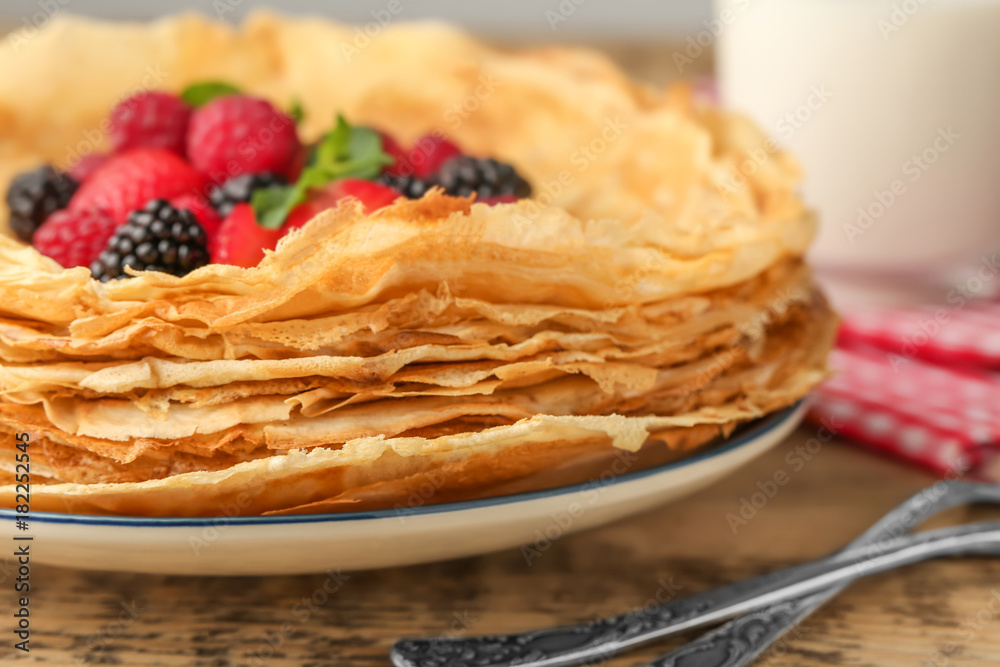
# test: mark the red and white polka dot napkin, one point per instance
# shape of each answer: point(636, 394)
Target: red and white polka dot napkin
point(922, 384)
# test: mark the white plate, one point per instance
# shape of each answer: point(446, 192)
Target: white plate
point(367, 540)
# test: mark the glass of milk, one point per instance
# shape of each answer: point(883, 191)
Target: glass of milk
point(893, 108)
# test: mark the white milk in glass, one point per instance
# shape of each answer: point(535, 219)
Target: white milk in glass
point(893, 108)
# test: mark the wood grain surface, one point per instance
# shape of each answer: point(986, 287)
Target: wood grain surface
point(941, 613)
point(935, 614)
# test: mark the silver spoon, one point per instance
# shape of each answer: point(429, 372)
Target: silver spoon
point(601, 639)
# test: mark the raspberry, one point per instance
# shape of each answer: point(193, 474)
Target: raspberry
point(87, 165)
point(157, 238)
point(429, 153)
point(498, 199)
point(130, 179)
point(35, 195)
point(204, 212)
point(75, 238)
point(234, 135)
point(392, 148)
point(153, 119)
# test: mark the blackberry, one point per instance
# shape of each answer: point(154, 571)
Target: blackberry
point(240, 189)
point(35, 195)
point(464, 174)
point(410, 187)
point(156, 238)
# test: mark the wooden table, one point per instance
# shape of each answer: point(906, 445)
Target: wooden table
point(935, 614)
point(932, 614)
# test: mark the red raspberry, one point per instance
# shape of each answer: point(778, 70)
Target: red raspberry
point(87, 165)
point(235, 134)
point(240, 240)
point(128, 180)
point(429, 153)
point(498, 199)
point(75, 238)
point(153, 119)
point(372, 195)
point(391, 147)
point(297, 164)
point(206, 214)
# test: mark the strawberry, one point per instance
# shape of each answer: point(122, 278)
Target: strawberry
point(205, 213)
point(372, 195)
point(130, 179)
point(152, 118)
point(236, 134)
point(75, 238)
point(87, 165)
point(429, 153)
point(240, 240)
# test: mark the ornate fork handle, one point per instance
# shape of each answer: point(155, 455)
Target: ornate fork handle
point(741, 641)
point(603, 638)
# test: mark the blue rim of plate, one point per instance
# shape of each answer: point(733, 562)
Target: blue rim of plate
point(743, 436)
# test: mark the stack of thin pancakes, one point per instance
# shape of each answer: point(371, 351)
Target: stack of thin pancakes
point(437, 349)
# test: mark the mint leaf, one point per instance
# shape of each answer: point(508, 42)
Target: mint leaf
point(272, 205)
point(200, 94)
point(344, 152)
point(366, 155)
point(296, 111)
point(333, 148)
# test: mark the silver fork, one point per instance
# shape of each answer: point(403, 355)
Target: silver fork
point(741, 641)
point(601, 639)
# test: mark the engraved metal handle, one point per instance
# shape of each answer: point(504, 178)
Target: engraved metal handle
point(741, 641)
point(601, 639)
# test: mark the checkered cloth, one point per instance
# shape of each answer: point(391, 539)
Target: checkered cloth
point(921, 384)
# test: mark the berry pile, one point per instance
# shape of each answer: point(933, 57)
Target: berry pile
point(215, 175)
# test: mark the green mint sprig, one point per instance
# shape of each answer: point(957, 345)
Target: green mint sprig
point(200, 94)
point(344, 152)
